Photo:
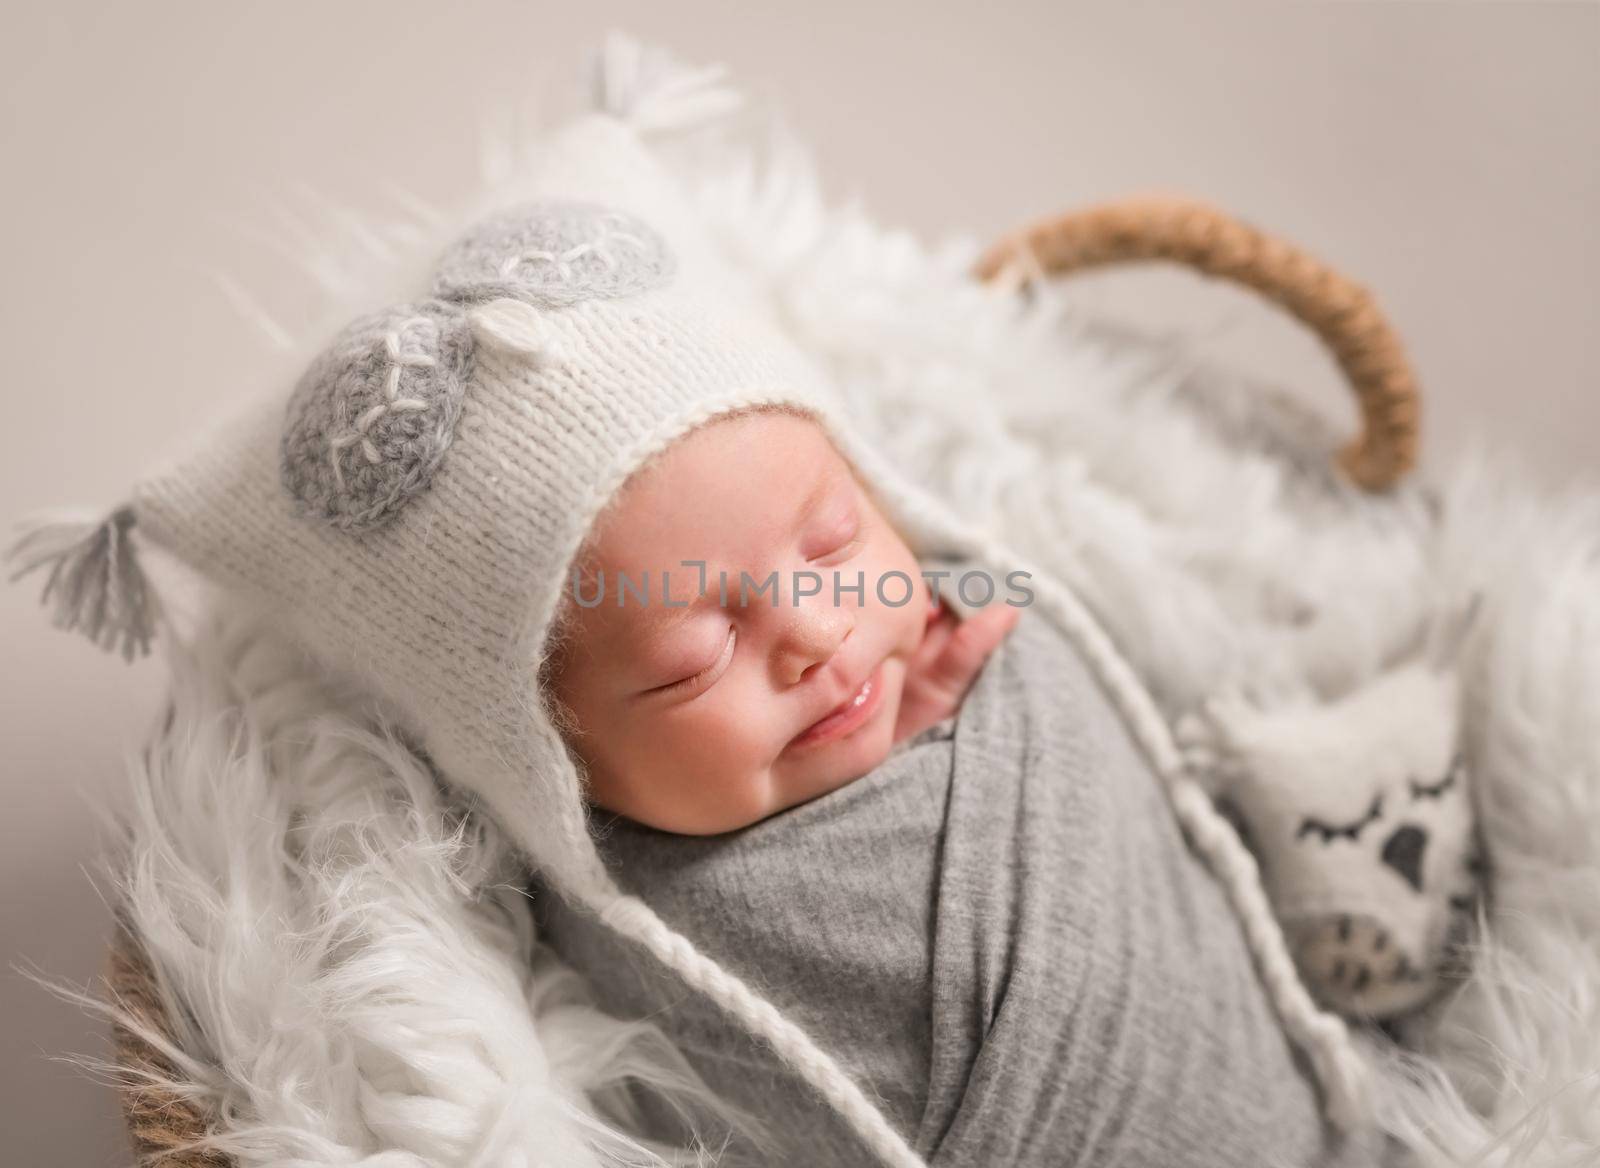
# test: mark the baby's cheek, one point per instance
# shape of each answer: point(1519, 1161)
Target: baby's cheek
point(716, 763)
point(895, 589)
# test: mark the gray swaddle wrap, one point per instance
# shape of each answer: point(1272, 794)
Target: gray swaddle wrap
point(1001, 935)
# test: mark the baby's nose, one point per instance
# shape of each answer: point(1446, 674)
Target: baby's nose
point(811, 635)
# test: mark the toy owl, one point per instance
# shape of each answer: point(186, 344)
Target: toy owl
point(1359, 812)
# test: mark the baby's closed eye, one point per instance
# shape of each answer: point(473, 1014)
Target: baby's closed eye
point(698, 678)
point(836, 535)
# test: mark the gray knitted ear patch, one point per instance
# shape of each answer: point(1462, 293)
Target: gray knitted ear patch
point(555, 253)
point(373, 415)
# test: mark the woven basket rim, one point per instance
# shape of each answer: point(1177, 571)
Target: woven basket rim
point(163, 1126)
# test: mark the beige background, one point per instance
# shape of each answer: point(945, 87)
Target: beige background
point(1444, 153)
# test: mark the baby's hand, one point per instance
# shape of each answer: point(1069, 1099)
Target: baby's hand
point(951, 654)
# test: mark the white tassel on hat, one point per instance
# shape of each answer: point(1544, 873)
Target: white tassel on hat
point(96, 582)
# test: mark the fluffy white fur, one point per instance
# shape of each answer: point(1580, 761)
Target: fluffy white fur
point(346, 953)
point(354, 972)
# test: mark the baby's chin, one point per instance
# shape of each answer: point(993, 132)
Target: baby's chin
point(825, 767)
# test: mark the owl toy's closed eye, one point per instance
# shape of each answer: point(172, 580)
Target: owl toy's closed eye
point(1359, 812)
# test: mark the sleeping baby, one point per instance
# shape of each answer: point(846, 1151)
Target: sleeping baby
point(882, 858)
point(931, 844)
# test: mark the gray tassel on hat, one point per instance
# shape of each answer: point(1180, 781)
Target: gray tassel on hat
point(96, 582)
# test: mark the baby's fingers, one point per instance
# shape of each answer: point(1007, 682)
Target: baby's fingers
point(934, 640)
point(969, 646)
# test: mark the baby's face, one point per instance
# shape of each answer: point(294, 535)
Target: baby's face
point(707, 718)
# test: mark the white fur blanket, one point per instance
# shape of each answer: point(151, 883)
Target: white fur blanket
point(350, 964)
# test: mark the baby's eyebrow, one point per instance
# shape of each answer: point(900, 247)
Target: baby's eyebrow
point(827, 483)
point(662, 619)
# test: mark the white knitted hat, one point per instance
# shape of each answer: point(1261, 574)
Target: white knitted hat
point(415, 504)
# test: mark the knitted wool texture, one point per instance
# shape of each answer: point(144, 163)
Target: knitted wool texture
point(415, 505)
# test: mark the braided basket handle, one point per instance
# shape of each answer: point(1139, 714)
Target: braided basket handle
point(1342, 313)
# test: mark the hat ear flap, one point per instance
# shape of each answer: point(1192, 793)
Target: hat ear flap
point(96, 582)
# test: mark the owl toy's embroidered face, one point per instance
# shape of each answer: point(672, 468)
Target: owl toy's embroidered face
point(1360, 815)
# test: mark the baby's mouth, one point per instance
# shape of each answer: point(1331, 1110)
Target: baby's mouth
point(845, 718)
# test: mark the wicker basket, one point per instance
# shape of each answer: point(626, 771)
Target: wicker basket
point(163, 1127)
point(1342, 314)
